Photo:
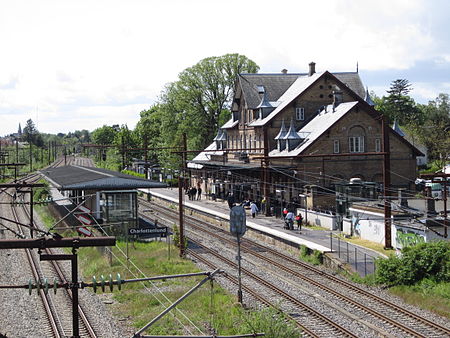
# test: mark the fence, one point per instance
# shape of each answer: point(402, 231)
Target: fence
point(362, 262)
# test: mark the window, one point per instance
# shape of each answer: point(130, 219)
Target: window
point(377, 145)
point(356, 144)
point(300, 113)
point(336, 146)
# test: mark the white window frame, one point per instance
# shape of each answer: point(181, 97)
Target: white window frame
point(300, 113)
point(377, 145)
point(356, 144)
point(336, 147)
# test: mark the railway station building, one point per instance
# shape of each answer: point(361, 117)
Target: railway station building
point(293, 135)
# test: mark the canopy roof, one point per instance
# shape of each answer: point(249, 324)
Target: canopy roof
point(83, 178)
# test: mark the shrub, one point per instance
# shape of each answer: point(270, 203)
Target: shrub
point(423, 261)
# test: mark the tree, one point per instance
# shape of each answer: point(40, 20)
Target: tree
point(104, 135)
point(399, 106)
point(435, 131)
point(31, 134)
point(203, 93)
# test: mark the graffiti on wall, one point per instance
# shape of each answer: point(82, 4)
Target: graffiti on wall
point(406, 238)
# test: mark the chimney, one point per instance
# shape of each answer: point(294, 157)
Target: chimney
point(284, 71)
point(312, 68)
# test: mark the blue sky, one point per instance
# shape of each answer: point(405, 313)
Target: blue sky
point(72, 65)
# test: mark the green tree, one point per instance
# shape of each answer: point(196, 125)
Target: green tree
point(435, 131)
point(104, 135)
point(399, 106)
point(32, 135)
point(201, 98)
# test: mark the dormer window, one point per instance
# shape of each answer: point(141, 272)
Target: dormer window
point(299, 113)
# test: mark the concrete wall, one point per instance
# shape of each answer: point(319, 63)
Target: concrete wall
point(327, 221)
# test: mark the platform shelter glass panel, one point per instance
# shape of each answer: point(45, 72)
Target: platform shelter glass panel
point(119, 210)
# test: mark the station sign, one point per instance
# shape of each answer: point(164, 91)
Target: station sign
point(149, 232)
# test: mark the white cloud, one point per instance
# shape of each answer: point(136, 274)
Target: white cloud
point(66, 57)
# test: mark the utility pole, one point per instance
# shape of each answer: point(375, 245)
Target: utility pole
point(386, 183)
point(180, 194)
point(266, 175)
point(74, 243)
point(146, 156)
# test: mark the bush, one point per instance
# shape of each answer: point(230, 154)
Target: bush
point(419, 262)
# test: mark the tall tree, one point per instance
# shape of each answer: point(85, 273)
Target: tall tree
point(203, 93)
point(435, 132)
point(31, 134)
point(104, 135)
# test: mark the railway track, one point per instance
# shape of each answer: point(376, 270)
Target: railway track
point(57, 306)
point(381, 314)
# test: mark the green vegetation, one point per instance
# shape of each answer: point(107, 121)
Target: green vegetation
point(209, 307)
point(419, 262)
point(421, 276)
point(428, 125)
point(133, 173)
point(311, 256)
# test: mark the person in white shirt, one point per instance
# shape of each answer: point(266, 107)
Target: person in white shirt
point(290, 220)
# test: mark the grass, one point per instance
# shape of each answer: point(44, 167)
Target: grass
point(428, 295)
point(368, 244)
point(210, 307)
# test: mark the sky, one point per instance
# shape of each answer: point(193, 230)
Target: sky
point(75, 64)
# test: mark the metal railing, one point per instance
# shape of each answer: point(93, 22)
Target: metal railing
point(362, 262)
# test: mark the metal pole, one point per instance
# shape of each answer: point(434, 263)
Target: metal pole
point(348, 256)
point(239, 270)
point(331, 242)
point(306, 211)
point(31, 159)
point(181, 213)
point(365, 264)
point(387, 184)
point(75, 324)
point(31, 212)
point(339, 247)
point(356, 260)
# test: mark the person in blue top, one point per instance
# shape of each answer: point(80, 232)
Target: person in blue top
point(253, 209)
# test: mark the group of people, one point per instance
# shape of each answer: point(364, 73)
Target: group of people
point(288, 217)
point(194, 193)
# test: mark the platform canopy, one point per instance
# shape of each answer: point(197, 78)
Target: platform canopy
point(75, 177)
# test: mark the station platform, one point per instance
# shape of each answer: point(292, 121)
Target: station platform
point(357, 258)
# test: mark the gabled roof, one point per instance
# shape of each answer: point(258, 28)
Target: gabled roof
point(316, 127)
point(84, 178)
point(298, 87)
point(324, 121)
point(275, 85)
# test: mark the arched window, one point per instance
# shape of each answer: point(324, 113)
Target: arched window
point(356, 136)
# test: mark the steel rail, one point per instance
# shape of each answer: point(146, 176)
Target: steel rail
point(435, 326)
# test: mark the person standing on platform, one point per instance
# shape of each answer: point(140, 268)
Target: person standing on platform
point(263, 205)
point(199, 193)
point(230, 200)
point(253, 209)
point(285, 212)
point(194, 193)
point(299, 220)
